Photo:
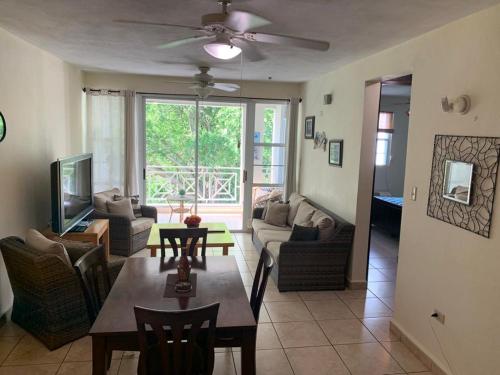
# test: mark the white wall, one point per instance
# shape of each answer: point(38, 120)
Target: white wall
point(390, 178)
point(40, 99)
point(440, 265)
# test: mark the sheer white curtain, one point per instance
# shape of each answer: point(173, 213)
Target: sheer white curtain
point(105, 138)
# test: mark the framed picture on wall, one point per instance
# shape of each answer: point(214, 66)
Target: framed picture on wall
point(335, 150)
point(309, 127)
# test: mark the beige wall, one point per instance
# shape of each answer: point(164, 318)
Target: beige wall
point(440, 266)
point(40, 99)
point(164, 85)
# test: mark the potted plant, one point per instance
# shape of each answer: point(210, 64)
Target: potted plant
point(192, 221)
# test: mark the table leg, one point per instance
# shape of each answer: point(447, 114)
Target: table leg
point(225, 250)
point(248, 346)
point(98, 355)
point(105, 242)
point(181, 213)
point(153, 252)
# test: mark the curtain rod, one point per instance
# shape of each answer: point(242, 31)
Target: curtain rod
point(214, 96)
point(85, 89)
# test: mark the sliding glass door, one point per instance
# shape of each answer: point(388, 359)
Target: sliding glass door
point(218, 158)
point(193, 159)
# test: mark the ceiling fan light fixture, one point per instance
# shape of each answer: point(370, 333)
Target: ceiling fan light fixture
point(222, 50)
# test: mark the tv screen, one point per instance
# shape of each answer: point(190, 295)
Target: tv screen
point(71, 191)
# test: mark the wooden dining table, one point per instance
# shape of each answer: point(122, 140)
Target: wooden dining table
point(143, 282)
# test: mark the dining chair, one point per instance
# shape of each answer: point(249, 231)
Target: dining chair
point(175, 344)
point(188, 237)
point(92, 270)
point(262, 272)
point(264, 268)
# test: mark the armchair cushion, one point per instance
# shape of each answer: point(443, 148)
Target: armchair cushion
point(259, 224)
point(75, 249)
point(38, 241)
point(141, 224)
point(101, 198)
point(304, 214)
point(121, 207)
point(134, 199)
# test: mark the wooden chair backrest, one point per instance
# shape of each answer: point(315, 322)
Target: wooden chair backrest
point(264, 268)
point(188, 237)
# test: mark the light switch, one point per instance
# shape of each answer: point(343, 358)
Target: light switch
point(414, 193)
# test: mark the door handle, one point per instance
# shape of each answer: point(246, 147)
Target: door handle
point(245, 176)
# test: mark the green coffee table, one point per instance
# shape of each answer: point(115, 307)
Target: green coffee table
point(218, 236)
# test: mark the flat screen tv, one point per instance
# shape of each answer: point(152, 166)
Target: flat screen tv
point(71, 190)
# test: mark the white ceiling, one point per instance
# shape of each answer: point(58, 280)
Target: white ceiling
point(83, 32)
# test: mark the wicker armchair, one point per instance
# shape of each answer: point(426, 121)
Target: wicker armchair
point(48, 298)
point(126, 236)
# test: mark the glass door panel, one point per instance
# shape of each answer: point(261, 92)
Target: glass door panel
point(269, 152)
point(220, 146)
point(170, 143)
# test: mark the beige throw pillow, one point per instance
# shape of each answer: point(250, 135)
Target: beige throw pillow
point(304, 214)
point(134, 199)
point(122, 207)
point(38, 241)
point(294, 202)
point(276, 214)
point(325, 223)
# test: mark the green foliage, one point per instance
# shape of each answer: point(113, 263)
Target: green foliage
point(170, 135)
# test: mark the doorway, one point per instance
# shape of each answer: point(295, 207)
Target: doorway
point(387, 201)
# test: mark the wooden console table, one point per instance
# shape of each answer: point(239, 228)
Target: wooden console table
point(97, 233)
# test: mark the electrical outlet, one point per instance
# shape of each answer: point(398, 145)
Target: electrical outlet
point(438, 315)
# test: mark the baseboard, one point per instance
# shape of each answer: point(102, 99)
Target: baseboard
point(357, 285)
point(416, 350)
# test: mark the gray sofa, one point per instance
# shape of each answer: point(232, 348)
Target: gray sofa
point(306, 265)
point(126, 236)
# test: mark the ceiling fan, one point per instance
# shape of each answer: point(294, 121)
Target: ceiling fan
point(203, 84)
point(228, 33)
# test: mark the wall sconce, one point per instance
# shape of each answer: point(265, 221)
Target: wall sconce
point(459, 105)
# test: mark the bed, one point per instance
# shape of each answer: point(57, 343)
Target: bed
point(386, 214)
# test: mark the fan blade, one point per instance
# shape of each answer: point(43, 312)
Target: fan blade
point(181, 42)
point(238, 20)
point(229, 87)
point(146, 23)
point(288, 41)
point(250, 52)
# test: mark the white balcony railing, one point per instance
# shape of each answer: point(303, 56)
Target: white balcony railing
point(216, 185)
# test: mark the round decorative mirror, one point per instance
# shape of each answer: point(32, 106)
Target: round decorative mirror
point(3, 127)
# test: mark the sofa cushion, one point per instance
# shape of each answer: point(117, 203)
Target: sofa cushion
point(37, 241)
point(266, 236)
point(325, 223)
point(141, 224)
point(294, 203)
point(304, 214)
point(101, 198)
point(277, 213)
point(274, 249)
point(122, 207)
point(300, 233)
point(258, 225)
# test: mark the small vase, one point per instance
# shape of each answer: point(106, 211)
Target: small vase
point(183, 284)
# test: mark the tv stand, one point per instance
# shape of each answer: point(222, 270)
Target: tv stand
point(96, 232)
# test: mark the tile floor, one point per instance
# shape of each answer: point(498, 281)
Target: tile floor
point(335, 333)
